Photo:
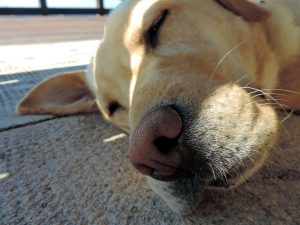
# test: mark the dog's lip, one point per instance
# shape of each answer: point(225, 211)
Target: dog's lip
point(180, 173)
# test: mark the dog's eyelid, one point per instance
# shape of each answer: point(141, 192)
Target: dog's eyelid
point(151, 35)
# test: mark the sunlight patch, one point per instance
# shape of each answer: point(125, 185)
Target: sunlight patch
point(9, 82)
point(114, 138)
point(3, 175)
point(35, 57)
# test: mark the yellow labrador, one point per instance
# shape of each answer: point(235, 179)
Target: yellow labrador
point(183, 77)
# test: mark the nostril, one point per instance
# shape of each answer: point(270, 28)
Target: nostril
point(165, 144)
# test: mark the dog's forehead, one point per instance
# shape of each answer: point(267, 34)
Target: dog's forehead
point(135, 14)
point(121, 28)
point(127, 25)
point(128, 20)
point(123, 46)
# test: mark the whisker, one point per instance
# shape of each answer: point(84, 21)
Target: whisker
point(242, 78)
point(281, 105)
point(258, 95)
point(278, 94)
point(92, 105)
point(252, 92)
point(224, 57)
point(285, 129)
point(212, 171)
point(288, 116)
point(284, 90)
point(262, 94)
point(220, 173)
point(265, 102)
point(248, 83)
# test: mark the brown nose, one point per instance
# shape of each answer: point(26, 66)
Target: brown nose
point(154, 143)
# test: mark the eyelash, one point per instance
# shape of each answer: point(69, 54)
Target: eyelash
point(151, 36)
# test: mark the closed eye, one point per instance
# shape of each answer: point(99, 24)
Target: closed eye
point(152, 34)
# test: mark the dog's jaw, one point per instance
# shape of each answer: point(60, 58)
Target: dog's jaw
point(182, 196)
point(233, 157)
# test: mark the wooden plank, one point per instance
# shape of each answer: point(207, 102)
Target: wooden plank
point(40, 29)
point(44, 10)
point(48, 11)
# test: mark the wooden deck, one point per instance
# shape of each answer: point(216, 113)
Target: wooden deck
point(16, 30)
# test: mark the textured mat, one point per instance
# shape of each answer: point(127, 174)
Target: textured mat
point(14, 86)
point(74, 170)
point(23, 66)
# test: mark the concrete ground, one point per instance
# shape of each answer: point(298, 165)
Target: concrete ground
point(73, 170)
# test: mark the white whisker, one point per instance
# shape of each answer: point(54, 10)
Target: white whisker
point(223, 58)
point(240, 79)
point(289, 91)
point(288, 116)
point(268, 95)
point(92, 104)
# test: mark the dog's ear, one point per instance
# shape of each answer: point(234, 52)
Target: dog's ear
point(246, 9)
point(63, 94)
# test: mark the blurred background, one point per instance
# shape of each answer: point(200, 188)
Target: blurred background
point(42, 38)
point(109, 4)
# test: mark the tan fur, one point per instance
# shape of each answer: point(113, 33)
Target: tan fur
point(64, 94)
point(211, 59)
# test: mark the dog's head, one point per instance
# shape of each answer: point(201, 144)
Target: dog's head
point(176, 75)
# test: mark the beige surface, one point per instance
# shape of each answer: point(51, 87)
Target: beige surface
point(69, 171)
point(14, 86)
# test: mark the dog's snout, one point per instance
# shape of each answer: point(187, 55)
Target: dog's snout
point(153, 146)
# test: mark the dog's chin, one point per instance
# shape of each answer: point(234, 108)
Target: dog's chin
point(184, 194)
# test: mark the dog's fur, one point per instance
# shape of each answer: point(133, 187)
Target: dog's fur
point(209, 58)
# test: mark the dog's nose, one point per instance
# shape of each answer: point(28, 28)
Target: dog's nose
point(153, 146)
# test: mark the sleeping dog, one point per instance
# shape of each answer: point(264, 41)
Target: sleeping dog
point(195, 83)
